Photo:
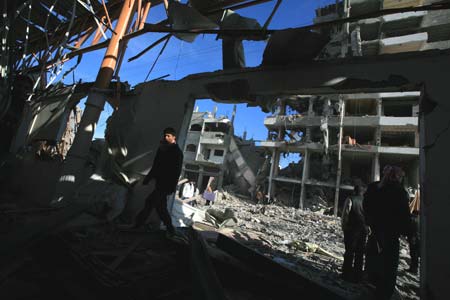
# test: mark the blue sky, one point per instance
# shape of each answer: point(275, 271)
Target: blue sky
point(203, 55)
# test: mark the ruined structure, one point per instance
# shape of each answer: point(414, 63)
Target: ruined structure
point(394, 33)
point(43, 40)
point(212, 150)
point(206, 146)
point(376, 129)
point(346, 139)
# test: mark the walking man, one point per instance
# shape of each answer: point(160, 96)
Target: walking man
point(355, 234)
point(387, 214)
point(165, 171)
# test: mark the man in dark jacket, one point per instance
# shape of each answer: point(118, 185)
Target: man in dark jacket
point(387, 214)
point(165, 171)
point(355, 234)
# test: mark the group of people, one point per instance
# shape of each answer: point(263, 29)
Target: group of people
point(373, 220)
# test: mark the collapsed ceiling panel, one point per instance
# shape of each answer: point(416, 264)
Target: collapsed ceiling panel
point(183, 16)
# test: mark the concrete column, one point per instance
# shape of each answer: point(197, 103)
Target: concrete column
point(345, 29)
point(376, 167)
point(308, 135)
point(200, 179)
point(377, 137)
point(305, 175)
point(310, 114)
point(339, 167)
point(273, 172)
point(310, 107)
point(417, 139)
point(281, 130)
point(379, 107)
point(220, 179)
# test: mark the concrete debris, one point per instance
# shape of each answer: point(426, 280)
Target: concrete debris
point(184, 215)
point(292, 46)
point(308, 242)
point(183, 16)
point(221, 219)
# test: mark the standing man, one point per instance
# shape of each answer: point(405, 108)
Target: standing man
point(387, 214)
point(165, 171)
point(355, 234)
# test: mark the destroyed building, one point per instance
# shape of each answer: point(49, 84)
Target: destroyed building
point(50, 251)
point(376, 128)
point(212, 150)
point(394, 33)
point(207, 144)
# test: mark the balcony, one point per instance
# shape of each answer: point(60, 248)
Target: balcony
point(212, 138)
point(318, 147)
point(299, 121)
point(212, 160)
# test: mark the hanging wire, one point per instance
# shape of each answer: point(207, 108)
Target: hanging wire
point(156, 60)
point(178, 59)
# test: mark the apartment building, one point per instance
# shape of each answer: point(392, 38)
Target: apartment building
point(206, 147)
point(377, 129)
point(346, 139)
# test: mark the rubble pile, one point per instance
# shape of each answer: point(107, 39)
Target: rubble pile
point(309, 242)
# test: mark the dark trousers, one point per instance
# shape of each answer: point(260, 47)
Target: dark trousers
point(158, 200)
point(382, 263)
point(414, 242)
point(355, 244)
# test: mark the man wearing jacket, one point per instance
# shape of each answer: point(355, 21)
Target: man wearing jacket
point(387, 214)
point(355, 233)
point(165, 171)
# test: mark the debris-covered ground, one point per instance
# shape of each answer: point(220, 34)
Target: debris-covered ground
point(309, 242)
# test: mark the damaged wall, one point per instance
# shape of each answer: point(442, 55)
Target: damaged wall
point(397, 72)
point(135, 130)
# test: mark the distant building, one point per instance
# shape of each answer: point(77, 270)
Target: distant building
point(375, 129)
point(393, 33)
point(206, 147)
point(212, 150)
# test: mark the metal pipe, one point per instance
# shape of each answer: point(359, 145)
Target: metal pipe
point(151, 28)
point(144, 15)
point(76, 158)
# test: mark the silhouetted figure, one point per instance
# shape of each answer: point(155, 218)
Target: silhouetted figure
point(387, 214)
point(355, 234)
point(165, 171)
